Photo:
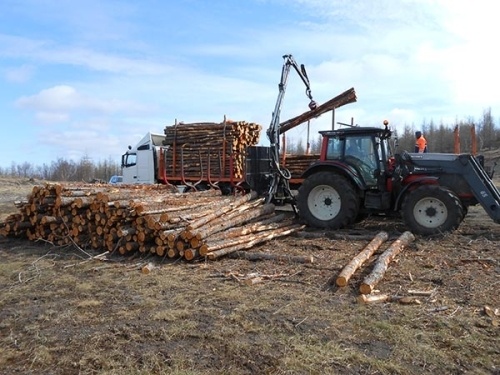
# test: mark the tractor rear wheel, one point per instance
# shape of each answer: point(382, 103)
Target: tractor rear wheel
point(327, 200)
point(432, 209)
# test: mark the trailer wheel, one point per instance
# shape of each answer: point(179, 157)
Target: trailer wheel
point(327, 200)
point(432, 209)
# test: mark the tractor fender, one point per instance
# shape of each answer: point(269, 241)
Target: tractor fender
point(339, 168)
point(424, 180)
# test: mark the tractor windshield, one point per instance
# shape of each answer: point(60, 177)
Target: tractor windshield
point(356, 150)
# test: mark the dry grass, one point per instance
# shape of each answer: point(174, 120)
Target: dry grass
point(61, 313)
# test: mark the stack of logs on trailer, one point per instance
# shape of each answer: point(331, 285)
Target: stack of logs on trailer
point(209, 150)
point(146, 219)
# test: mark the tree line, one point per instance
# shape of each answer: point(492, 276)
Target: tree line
point(84, 170)
point(440, 138)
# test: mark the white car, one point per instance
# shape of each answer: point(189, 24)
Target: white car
point(116, 180)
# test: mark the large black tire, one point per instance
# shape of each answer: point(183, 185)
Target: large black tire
point(327, 200)
point(432, 209)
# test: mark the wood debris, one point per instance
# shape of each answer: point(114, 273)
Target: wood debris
point(253, 278)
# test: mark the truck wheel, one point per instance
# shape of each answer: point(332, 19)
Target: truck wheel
point(327, 200)
point(432, 209)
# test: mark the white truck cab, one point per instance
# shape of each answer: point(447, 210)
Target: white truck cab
point(139, 162)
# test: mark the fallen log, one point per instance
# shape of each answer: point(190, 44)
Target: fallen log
point(376, 298)
point(253, 256)
point(359, 259)
point(373, 298)
point(383, 261)
point(422, 293)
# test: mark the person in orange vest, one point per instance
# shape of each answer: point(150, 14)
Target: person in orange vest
point(420, 143)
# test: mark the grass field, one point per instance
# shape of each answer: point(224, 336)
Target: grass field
point(62, 312)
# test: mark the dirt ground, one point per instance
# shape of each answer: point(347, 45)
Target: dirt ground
point(64, 312)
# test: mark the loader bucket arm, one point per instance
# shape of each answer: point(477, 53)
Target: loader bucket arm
point(481, 185)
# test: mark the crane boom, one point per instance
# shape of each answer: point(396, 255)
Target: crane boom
point(280, 176)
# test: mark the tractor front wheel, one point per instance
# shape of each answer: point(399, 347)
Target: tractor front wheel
point(327, 200)
point(432, 209)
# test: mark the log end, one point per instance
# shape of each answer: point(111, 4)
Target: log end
point(148, 268)
point(365, 288)
point(341, 281)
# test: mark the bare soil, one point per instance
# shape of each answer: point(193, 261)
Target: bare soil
point(64, 312)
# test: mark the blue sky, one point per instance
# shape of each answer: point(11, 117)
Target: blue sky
point(88, 78)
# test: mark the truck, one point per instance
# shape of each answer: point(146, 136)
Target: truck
point(358, 173)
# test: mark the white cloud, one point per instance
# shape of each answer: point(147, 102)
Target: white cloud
point(54, 99)
point(51, 117)
point(20, 74)
point(58, 103)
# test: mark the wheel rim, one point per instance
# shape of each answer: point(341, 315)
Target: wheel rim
point(324, 202)
point(430, 212)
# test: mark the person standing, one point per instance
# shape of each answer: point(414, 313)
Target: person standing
point(420, 143)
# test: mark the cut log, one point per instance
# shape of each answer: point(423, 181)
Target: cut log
point(148, 268)
point(209, 217)
point(257, 239)
point(373, 298)
point(383, 261)
point(422, 293)
point(275, 221)
point(359, 259)
point(253, 256)
point(232, 220)
point(254, 280)
point(348, 96)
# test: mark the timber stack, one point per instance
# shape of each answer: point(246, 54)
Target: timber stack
point(192, 146)
point(146, 219)
point(298, 164)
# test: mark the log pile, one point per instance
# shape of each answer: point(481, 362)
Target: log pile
point(298, 164)
point(146, 219)
point(192, 146)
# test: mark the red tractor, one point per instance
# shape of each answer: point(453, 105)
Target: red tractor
point(358, 175)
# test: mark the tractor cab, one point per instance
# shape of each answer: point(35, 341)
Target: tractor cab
point(364, 152)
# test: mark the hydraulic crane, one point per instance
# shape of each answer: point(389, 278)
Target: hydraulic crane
point(279, 188)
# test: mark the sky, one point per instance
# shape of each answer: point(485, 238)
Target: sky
point(86, 78)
